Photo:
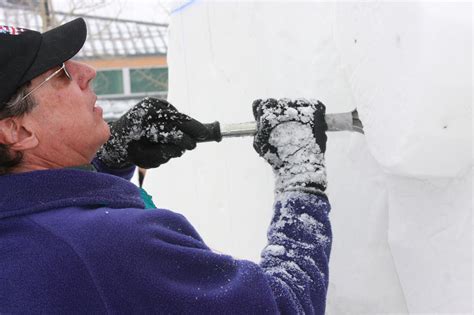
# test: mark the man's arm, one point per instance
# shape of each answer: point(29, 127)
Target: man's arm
point(297, 255)
point(293, 273)
point(291, 138)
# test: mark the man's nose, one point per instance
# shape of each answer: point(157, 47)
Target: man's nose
point(81, 73)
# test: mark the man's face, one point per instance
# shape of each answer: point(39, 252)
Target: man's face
point(68, 125)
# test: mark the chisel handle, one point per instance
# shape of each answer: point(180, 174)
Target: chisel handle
point(336, 122)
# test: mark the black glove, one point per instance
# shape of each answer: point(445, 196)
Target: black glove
point(149, 134)
point(291, 136)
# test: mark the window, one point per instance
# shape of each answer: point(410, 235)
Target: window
point(149, 80)
point(108, 82)
point(129, 82)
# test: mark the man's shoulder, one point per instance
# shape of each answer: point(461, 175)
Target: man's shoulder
point(118, 227)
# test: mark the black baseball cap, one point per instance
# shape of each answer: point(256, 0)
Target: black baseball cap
point(25, 54)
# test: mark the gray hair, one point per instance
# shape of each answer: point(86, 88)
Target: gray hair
point(15, 107)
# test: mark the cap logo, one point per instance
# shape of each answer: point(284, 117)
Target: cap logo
point(11, 30)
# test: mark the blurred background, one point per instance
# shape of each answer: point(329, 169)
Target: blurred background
point(127, 43)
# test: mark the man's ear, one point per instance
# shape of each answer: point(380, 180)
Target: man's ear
point(16, 135)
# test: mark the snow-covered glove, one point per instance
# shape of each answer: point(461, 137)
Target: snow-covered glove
point(149, 134)
point(291, 136)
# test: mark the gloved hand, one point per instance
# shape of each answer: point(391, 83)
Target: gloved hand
point(149, 134)
point(291, 136)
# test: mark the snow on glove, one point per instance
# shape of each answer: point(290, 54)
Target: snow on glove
point(291, 136)
point(149, 134)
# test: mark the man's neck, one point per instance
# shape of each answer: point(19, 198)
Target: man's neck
point(30, 163)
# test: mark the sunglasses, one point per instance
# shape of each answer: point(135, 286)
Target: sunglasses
point(52, 75)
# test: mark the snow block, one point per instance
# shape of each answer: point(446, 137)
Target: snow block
point(409, 68)
point(406, 67)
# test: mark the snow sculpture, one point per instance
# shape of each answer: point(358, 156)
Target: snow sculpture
point(408, 65)
point(401, 194)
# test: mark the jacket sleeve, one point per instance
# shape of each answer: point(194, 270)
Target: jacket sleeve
point(296, 258)
point(125, 173)
point(153, 261)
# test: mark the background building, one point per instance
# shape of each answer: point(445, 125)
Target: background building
point(130, 56)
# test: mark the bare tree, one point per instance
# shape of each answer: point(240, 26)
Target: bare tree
point(45, 10)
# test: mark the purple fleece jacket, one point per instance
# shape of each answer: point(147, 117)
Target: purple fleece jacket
point(74, 241)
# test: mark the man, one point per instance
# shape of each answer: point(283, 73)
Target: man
point(75, 238)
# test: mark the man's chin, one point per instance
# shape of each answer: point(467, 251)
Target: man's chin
point(105, 133)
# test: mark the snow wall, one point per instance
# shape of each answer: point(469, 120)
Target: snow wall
point(401, 195)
